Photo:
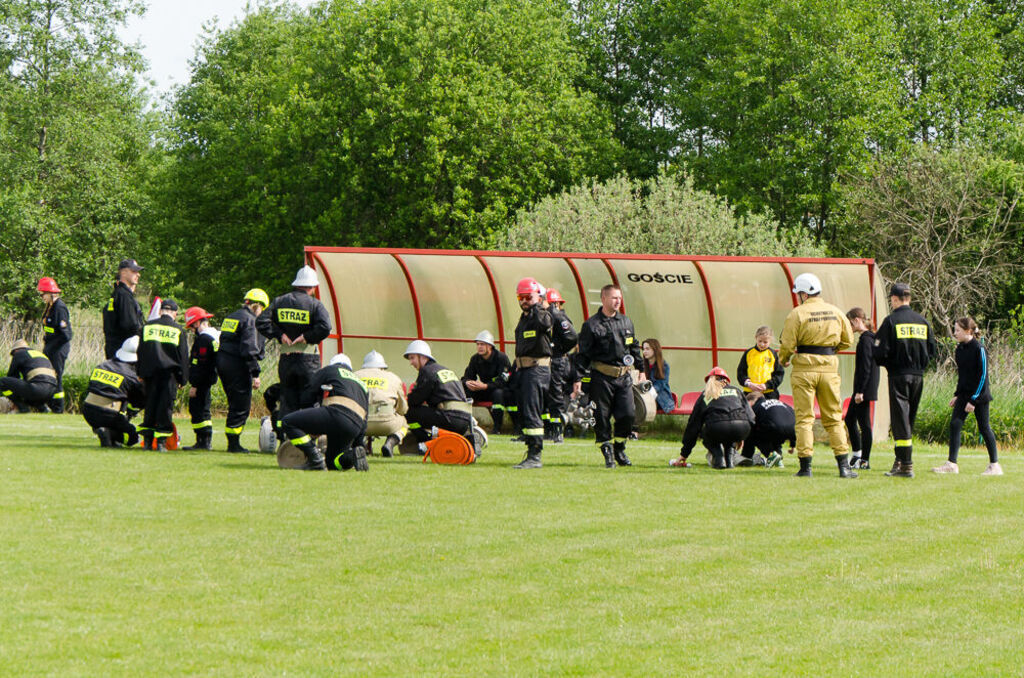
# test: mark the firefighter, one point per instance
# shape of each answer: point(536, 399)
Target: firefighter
point(387, 402)
point(56, 336)
point(114, 386)
point(608, 347)
point(533, 367)
point(163, 367)
point(31, 380)
point(563, 340)
point(341, 416)
point(122, 316)
point(437, 398)
point(238, 363)
point(904, 345)
point(202, 375)
point(486, 378)
point(300, 322)
point(814, 333)
point(721, 417)
point(774, 423)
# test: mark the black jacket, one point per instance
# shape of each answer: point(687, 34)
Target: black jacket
point(56, 326)
point(122, 316)
point(435, 384)
point(163, 348)
point(533, 333)
point(118, 380)
point(972, 374)
point(202, 370)
point(774, 416)
point(494, 371)
point(239, 338)
point(563, 334)
point(609, 340)
point(905, 342)
point(27, 360)
point(295, 314)
point(335, 380)
point(731, 405)
point(865, 372)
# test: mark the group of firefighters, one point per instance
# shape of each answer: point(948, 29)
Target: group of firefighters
point(148, 361)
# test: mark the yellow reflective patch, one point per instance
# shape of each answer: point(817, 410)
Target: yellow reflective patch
point(292, 315)
point(529, 334)
point(374, 382)
point(105, 377)
point(48, 330)
point(110, 304)
point(161, 333)
point(346, 374)
point(36, 354)
point(629, 340)
point(911, 331)
point(445, 376)
point(229, 325)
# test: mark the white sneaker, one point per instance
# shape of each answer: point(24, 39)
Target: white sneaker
point(948, 467)
point(993, 470)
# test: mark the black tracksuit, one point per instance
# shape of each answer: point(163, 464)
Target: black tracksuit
point(865, 381)
point(904, 345)
point(202, 375)
point(972, 387)
point(56, 345)
point(563, 340)
point(118, 381)
point(238, 363)
point(721, 423)
point(612, 341)
point(774, 423)
point(436, 386)
point(122, 318)
point(342, 425)
point(293, 315)
point(533, 340)
point(30, 381)
point(495, 372)
point(163, 367)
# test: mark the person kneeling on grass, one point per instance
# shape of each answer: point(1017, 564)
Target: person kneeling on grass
point(774, 423)
point(721, 417)
point(341, 416)
point(31, 380)
point(972, 395)
point(113, 386)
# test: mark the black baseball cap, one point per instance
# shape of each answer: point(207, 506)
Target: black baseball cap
point(168, 305)
point(129, 263)
point(899, 290)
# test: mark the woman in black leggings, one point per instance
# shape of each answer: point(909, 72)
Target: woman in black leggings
point(865, 391)
point(972, 395)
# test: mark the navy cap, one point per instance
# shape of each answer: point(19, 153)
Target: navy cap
point(129, 263)
point(168, 305)
point(899, 290)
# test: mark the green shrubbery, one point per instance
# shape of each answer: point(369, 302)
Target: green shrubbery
point(934, 414)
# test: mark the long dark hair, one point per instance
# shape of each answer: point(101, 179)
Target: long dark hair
point(659, 361)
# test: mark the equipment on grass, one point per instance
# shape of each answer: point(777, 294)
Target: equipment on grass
point(267, 437)
point(171, 442)
point(449, 448)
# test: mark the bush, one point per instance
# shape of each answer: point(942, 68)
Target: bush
point(934, 413)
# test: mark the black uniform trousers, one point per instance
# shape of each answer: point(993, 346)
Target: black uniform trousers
point(123, 429)
point(613, 397)
point(498, 396)
point(904, 396)
point(719, 436)
point(422, 418)
point(199, 409)
point(764, 440)
point(557, 400)
point(26, 394)
point(161, 390)
point(237, 383)
point(294, 370)
point(858, 425)
point(533, 388)
point(341, 426)
point(57, 358)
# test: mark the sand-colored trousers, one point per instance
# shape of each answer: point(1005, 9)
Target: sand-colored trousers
point(825, 387)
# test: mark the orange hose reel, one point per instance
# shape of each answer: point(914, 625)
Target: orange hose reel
point(449, 448)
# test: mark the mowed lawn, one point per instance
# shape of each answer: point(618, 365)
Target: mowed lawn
point(129, 563)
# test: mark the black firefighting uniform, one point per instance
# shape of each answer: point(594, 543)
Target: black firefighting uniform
point(117, 385)
point(533, 342)
point(495, 372)
point(761, 367)
point(342, 423)
point(610, 342)
point(721, 423)
point(904, 345)
point(774, 423)
point(30, 381)
point(563, 340)
point(202, 375)
point(56, 346)
point(295, 314)
point(163, 367)
point(122, 318)
point(238, 363)
point(438, 399)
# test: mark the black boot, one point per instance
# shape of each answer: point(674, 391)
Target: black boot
point(557, 436)
point(729, 454)
point(104, 435)
point(619, 453)
point(147, 440)
point(499, 418)
point(388, 448)
point(805, 467)
point(204, 440)
point(532, 459)
point(235, 445)
point(895, 467)
point(718, 459)
point(844, 467)
point(609, 456)
point(314, 460)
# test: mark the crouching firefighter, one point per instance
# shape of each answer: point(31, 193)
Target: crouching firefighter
point(31, 380)
point(341, 416)
point(113, 387)
point(387, 402)
point(437, 398)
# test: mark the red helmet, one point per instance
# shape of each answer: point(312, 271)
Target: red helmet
point(528, 286)
point(554, 297)
point(194, 314)
point(47, 285)
point(717, 372)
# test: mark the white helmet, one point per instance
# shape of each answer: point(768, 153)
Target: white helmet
point(807, 283)
point(306, 277)
point(374, 360)
point(128, 353)
point(485, 337)
point(341, 359)
point(418, 346)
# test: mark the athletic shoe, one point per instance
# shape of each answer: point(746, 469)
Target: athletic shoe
point(679, 462)
point(948, 467)
point(861, 464)
point(993, 470)
point(774, 459)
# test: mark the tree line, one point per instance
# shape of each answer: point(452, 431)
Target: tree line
point(882, 128)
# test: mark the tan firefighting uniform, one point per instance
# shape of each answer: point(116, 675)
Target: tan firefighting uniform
point(814, 332)
point(387, 403)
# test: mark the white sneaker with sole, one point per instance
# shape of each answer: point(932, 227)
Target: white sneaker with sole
point(993, 470)
point(948, 467)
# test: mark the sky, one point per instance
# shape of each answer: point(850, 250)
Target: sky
point(170, 30)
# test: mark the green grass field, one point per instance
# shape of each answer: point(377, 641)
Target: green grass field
point(129, 563)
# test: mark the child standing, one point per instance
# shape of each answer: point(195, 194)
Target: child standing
point(759, 369)
point(972, 395)
point(865, 391)
point(202, 375)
